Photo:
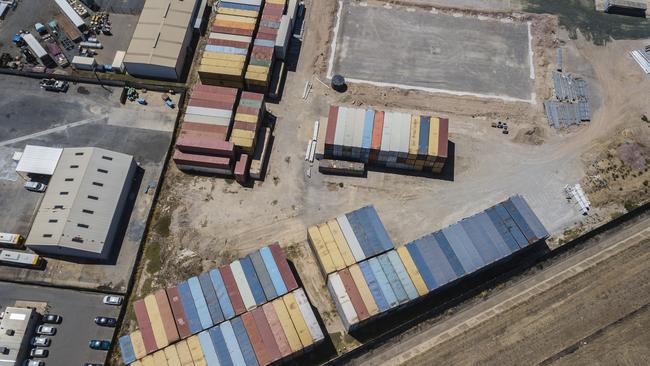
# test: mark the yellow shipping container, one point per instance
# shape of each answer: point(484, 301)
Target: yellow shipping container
point(138, 344)
point(414, 142)
point(235, 18)
point(322, 255)
point(222, 63)
point(434, 129)
point(297, 319)
point(258, 68)
point(412, 270)
point(260, 78)
point(364, 290)
point(156, 321)
point(238, 12)
point(341, 243)
point(172, 356)
point(246, 118)
point(224, 56)
point(279, 2)
point(337, 259)
point(195, 349)
point(148, 361)
point(242, 142)
point(217, 70)
point(184, 354)
point(243, 134)
point(287, 325)
point(159, 358)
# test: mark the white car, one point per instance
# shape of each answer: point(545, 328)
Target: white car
point(39, 352)
point(35, 186)
point(45, 330)
point(41, 341)
point(33, 363)
point(112, 300)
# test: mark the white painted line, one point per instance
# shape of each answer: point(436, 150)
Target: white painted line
point(443, 91)
point(531, 53)
point(330, 65)
point(52, 130)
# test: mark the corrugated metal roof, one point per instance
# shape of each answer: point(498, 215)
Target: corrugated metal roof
point(39, 160)
point(159, 34)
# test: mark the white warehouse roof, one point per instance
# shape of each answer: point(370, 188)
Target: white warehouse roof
point(39, 160)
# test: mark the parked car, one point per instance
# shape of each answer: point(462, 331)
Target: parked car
point(52, 319)
point(93, 364)
point(112, 300)
point(105, 321)
point(41, 342)
point(99, 345)
point(38, 352)
point(45, 330)
point(35, 186)
point(54, 85)
point(33, 363)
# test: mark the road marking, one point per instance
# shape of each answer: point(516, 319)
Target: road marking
point(531, 53)
point(52, 130)
point(521, 297)
point(330, 66)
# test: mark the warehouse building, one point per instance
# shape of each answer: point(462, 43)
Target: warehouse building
point(82, 207)
point(161, 39)
point(16, 328)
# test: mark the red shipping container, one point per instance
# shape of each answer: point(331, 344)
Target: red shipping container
point(377, 130)
point(178, 312)
point(241, 168)
point(272, 349)
point(215, 89)
point(262, 53)
point(266, 36)
point(220, 131)
point(228, 43)
point(206, 161)
point(252, 96)
point(273, 9)
point(353, 293)
point(443, 137)
point(267, 31)
point(283, 266)
point(235, 31)
point(256, 339)
point(215, 104)
point(145, 326)
point(331, 125)
point(246, 126)
point(166, 314)
point(194, 142)
point(233, 291)
point(276, 327)
point(248, 110)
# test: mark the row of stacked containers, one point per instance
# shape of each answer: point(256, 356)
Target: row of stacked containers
point(393, 140)
point(258, 73)
point(219, 124)
point(276, 331)
point(212, 298)
point(370, 288)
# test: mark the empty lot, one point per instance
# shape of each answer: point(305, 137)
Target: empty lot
point(413, 48)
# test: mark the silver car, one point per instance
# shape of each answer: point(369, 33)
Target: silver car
point(35, 186)
point(45, 330)
point(112, 300)
point(39, 352)
point(41, 342)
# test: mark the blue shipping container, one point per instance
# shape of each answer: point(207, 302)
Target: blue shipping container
point(274, 271)
point(371, 237)
point(382, 280)
point(502, 229)
point(200, 303)
point(380, 300)
point(511, 226)
point(264, 42)
point(222, 294)
point(384, 240)
point(253, 282)
point(393, 279)
point(220, 346)
point(360, 234)
point(459, 249)
point(192, 316)
point(481, 242)
point(490, 230)
point(520, 221)
point(244, 343)
point(263, 276)
point(435, 260)
point(232, 344)
point(231, 5)
point(449, 253)
point(126, 349)
point(209, 353)
point(421, 265)
point(211, 298)
point(368, 123)
point(402, 274)
point(423, 146)
point(528, 214)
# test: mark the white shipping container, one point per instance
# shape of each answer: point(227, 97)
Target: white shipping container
point(308, 315)
point(349, 127)
point(396, 133)
point(387, 132)
point(231, 37)
point(242, 285)
point(348, 233)
point(291, 9)
point(83, 63)
point(74, 17)
point(405, 132)
point(342, 300)
point(340, 126)
point(359, 118)
point(247, 2)
point(34, 45)
point(283, 37)
point(209, 112)
point(208, 120)
point(118, 61)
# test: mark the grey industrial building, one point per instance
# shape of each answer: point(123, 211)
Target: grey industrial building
point(161, 39)
point(81, 211)
point(16, 328)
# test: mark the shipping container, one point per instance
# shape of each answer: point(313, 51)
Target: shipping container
point(274, 271)
point(374, 287)
point(320, 250)
point(350, 238)
point(144, 324)
point(244, 342)
point(178, 312)
point(159, 358)
point(331, 246)
point(232, 344)
point(210, 296)
point(255, 338)
point(169, 324)
point(283, 266)
point(184, 354)
point(353, 294)
point(156, 321)
point(253, 281)
point(138, 344)
point(262, 324)
point(192, 315)
point(194, 344)
point(341, 243)
point(148, 361)
point(402, 274)
point(172, 356)
point(209, 352)
point(263, 275)
point(276, 328)
point(393, 279)
point(383, 282)
point(220, 347)
point(308, 315)
point(222, 294)
point(126, 349)
point(364, 290)
point(200, 302)
point(242, 285)
point(342, 300)
point(412, 271)
point(287, 325)
point(233, 291)
point(297, 319)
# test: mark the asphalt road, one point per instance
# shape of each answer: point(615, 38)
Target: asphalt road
point(78, 309)
point(545, 318)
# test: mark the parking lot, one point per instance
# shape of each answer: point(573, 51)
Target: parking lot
point(78, 309)
point(418, 49)
point(87, 115)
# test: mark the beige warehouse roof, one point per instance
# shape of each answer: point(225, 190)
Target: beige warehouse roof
point(159, 34)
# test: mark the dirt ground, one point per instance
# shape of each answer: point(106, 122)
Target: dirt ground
point(201, 222)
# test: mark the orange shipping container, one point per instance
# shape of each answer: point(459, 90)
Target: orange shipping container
point(166, 315)
point(276, 329)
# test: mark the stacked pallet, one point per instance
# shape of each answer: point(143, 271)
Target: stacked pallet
point(226, 53)
point(348, 239)
point(247, 121)
point(207, 300)
point(387, 139)
point(261, 61)
point(279, 330)
point(372, 287)
point(202, 144)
